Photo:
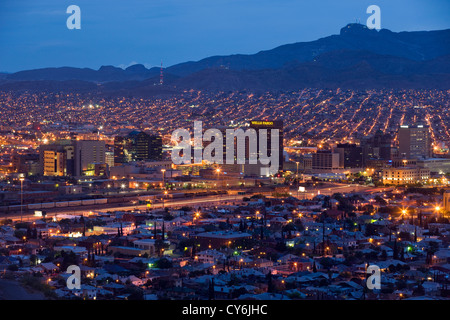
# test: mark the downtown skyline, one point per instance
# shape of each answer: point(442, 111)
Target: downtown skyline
point(318, 169)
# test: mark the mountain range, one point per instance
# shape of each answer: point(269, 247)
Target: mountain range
point(356, 58)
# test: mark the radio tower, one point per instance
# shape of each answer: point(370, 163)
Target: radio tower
point(161, 76)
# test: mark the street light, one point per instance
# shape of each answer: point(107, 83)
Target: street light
point(163, 172)
point(297, 177)
point(164, 197)
point(218, 172)
point(437, 209)
point(21, 196)
point(404, 212)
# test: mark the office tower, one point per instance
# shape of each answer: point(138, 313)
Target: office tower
point(137, 146)
point(376, 147)
point(350, 155)
point(57, 159)
point(22, 162)
point(88, 152)
point(109, 158)
point(148, 147)
point(122, 145)
point(54, 163)
point(446, 200)
point(414, 142)
point(270, 125)
point(325, 160)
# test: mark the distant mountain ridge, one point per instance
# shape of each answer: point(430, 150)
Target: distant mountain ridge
point(364, 58)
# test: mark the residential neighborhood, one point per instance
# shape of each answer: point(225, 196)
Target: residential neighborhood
point(258, 248)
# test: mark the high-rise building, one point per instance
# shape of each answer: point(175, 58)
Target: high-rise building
point(137, 146)
point(447, 201)
point(88, 152)
point(54, 163)
point(350, 155)
point(270, 125)
point(325, 160)
point(148, 147)
point(109, 158)
point(22, 163)
point(414, 142)
point(57, 159)
point(70, 157)
point(376, 147)
point(122, 147)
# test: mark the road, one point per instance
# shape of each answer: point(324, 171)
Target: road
point(198, 202)
point(195, 202)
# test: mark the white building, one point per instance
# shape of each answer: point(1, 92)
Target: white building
point(405, 175)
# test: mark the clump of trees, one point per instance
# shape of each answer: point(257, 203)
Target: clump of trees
point(36, 283)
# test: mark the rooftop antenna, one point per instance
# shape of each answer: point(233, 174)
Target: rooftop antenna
point(161, 76)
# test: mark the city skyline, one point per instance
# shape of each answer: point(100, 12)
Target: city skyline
point(315, 170)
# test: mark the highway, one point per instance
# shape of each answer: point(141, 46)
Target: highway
point(85, 210)
point(192, 202)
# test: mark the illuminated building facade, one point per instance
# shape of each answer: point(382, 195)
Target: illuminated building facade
point(137, 146)
point(446, 201)
point(414, 142)
point(57, 159)
point(269, 125)
point(405, 175)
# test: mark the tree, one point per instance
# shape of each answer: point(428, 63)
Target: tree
point(395, 255)
point(380, 200)
point(164, 263)
point(168, 217)
point(241, 226)
point(19, 234)
point(211, 295)
point(327, 263)
point(419, 291)
point(299, 225)
point(430, 250)
point(270, 286)
point(33, 259)
point(280, 246)
point(13, 267)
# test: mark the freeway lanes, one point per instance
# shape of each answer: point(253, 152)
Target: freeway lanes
point(198, 202)
point(195, 202)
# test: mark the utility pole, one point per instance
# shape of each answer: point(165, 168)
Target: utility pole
point(297, 179)
point(164, 198)
point(21, 196)
point(164, 181)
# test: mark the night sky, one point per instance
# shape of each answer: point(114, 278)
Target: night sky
point(33, 33)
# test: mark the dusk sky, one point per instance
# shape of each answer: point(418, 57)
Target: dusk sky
point(33, 34)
